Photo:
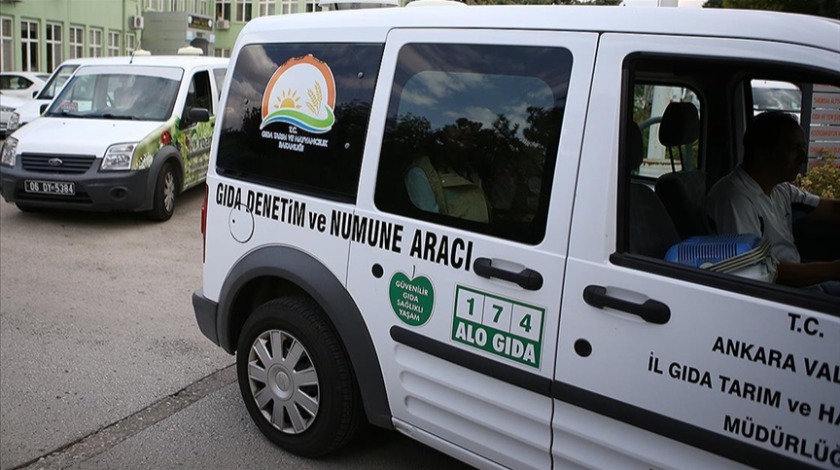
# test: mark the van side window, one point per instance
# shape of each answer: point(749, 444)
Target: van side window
point(296, 116)
point(200, 95)
point(471, 136)
point(666, 222)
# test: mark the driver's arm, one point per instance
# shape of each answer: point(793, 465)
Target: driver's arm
point(827, 210)
point(807, 274)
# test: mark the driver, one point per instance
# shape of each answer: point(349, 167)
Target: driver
point(757, 198)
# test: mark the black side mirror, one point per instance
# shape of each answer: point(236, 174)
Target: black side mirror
point(44, 107)
point(199, 115)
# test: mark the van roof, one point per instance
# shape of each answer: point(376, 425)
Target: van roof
point(373, 24)
point(179, 60)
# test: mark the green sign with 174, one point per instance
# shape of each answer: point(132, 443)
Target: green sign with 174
point(504, 327)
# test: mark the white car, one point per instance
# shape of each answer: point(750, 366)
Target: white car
point(8, 105)
point(24, 84)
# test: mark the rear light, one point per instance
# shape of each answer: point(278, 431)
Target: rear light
point(204, 225)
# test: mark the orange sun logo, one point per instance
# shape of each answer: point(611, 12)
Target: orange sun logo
point(288, 99)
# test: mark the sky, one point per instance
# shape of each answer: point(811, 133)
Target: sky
point(653, 3)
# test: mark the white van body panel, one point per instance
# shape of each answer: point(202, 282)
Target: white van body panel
point(645, 356)
point(80, 136)
point(511, 425)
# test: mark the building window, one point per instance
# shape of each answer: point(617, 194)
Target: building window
point(77, 42)
point(175, 5)
point(29, 45)
point(202, 7)
point(129, 44)
point(154, 5)
point(267, 7)
point(95, 43)
point(7, 48)
point(243, 10)
point(113, 43)
point(53, 40)
point(288, 7)
point(223, 10)
point(312, 5)
point(222, 52)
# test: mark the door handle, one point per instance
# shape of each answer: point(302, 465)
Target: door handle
point(526, 279)
point(651, 311)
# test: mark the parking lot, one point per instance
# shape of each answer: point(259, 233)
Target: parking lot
point(103, 365)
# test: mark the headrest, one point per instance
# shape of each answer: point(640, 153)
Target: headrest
point(680, 125)
point(634, 150)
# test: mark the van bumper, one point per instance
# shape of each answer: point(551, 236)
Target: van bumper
point(118, 191)
point(205, 315)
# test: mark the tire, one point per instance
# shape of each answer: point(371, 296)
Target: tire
point(320, 405)
point(166, 191)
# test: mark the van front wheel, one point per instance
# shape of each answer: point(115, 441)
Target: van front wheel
point(166, 189)
point(296, 379)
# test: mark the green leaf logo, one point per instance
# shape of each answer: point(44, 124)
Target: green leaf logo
point(412, 299)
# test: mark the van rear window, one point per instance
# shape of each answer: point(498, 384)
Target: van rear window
point(296, 116)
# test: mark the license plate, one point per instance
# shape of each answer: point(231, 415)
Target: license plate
point(50, 187)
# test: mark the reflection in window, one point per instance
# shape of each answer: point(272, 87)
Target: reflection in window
point(472, 143)
point(117, 96)
point(285, 154)
point(771, 95)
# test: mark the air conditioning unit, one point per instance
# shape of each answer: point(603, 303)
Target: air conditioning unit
point(136, 22)
point(223, 24)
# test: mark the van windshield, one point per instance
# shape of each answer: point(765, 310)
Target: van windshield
point(777, 99)
point(119, 94)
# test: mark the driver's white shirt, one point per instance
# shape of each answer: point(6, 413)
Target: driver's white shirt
point(736, 204)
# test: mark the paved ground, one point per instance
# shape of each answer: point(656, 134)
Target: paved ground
point(97, 339)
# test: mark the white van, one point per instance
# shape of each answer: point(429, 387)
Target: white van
point(520, 310)
point(118, 137)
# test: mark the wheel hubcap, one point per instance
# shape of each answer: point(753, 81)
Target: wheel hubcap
point(283, 381)
point(169, 191)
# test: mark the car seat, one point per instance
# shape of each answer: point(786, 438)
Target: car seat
point(682, 192)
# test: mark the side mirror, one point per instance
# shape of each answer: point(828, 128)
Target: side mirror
point(44, 107)
point(199, 115)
